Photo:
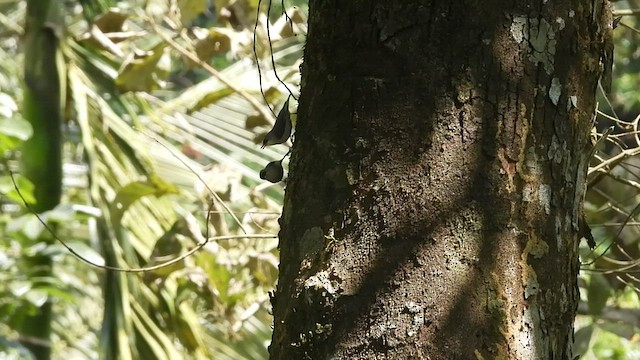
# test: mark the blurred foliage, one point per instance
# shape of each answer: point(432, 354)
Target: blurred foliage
point(161, 154)
point(164, 105)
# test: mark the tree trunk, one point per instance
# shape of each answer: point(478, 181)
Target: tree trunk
point(436, 182)
point(42, 154)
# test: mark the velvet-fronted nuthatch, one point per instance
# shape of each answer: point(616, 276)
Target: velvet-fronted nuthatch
point(273, 172)
point(281, 130)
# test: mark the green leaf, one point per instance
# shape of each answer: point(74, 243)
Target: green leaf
point(47, 250)
point(598, 293)
point(28, 225)
point(136, 190)
point(131, 192)
point(189, 9)
point(37, 297)
point(61, 213)
point(111, 21)
point(582, 339)
point(16, 127)
point(24, 185)
point(210, 98)
point(86, 252)
point(627, 331)
point(20, 287)
point(7, 105)
point(13, 132)
point(8, 143)
point(141, 72)
point(255, 120)
point(63, 295)
point(162, 186)
point(216, 42)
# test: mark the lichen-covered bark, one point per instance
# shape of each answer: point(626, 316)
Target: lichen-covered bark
point(434, 198)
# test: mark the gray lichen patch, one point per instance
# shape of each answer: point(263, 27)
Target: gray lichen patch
point(417, 320)
point(518, 27)
point(530, 282)
point(572, 102)
point(535, 247)
point(312, 242)
point(555, 90)
point(541, 38)
point(544, 195)
point(322, 281)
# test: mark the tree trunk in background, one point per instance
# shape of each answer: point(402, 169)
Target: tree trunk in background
point(42, 153)
point(436, 181)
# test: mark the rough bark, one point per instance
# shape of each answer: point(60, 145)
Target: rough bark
point(436, 182)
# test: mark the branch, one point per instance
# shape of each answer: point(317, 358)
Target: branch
point(627, 316)
point(615, 160)
point(626, 12)
point(195, 249)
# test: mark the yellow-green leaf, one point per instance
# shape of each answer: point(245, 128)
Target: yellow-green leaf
point(141, 72)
